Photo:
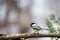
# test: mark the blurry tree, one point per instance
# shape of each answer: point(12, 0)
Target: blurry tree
point(52, 17)
point(11, 4)
point(23, 15)
point(50, 25)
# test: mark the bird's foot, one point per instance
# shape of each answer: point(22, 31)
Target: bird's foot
point(36, 33)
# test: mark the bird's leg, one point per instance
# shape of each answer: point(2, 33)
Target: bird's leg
point(36, 31)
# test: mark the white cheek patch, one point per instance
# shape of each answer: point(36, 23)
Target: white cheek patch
point(34, 25)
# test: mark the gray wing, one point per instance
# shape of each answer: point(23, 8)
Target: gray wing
point(37, 27)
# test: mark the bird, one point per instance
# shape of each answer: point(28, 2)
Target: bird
point(36, 28)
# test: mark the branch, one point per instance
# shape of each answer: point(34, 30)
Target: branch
point(29, 35)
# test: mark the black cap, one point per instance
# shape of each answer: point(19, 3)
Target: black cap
point(32, 24)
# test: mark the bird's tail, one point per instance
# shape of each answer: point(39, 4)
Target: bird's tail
point(44, 29)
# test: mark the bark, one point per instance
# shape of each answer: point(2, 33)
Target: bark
point(30, 35)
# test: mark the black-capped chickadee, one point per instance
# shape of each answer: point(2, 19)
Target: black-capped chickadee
point(36, 28)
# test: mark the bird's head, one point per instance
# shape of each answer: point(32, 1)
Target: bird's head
point(33, 24)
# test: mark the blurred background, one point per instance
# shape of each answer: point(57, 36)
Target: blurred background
point(17, 15)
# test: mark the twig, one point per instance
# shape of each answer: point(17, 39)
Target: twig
point(29, 35)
